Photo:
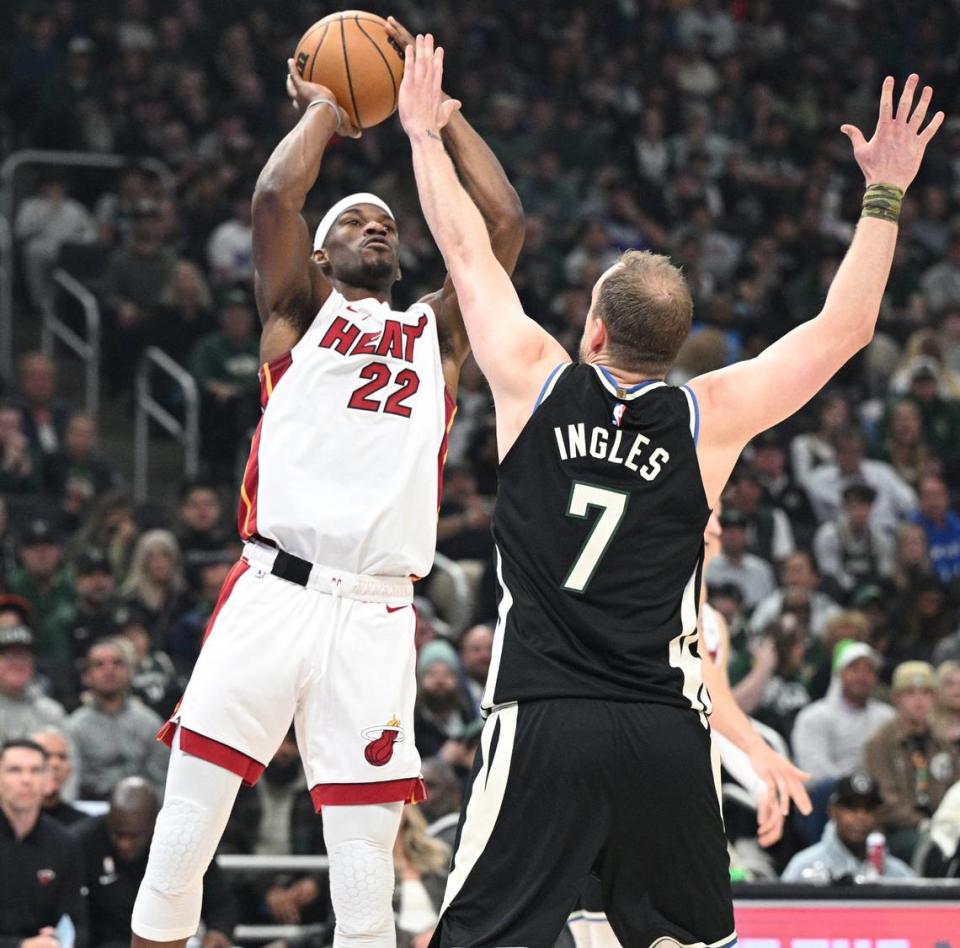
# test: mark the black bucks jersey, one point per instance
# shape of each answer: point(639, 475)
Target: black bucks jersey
point(599, 541)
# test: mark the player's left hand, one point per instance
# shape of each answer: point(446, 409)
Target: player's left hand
point(770, 819)
point(422, 106)
point(784, 781)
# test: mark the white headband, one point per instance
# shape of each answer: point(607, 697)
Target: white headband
point(330, 218)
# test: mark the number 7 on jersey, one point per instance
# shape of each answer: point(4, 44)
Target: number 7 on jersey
point(612, 505)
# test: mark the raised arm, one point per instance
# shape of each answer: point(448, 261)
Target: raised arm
point(740, 401)
point(486, 183)
point(513, 352)
point(289, 287)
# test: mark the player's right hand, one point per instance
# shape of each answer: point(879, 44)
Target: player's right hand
point(894, 153)
point(302, 93)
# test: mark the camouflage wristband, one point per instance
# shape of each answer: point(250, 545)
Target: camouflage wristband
point(882, 201)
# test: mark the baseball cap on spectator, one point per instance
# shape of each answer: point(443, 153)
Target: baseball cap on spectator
point(728, 591)
point(866, 595)
point(848, 651)
point(146, 207)
point(925, 369)
point(913, 674)
point(10, 602)
point(235, 297)
point(91, 561)
point(40, 531)
point(437, 651)
point(857, 788)
point(859, 490)
point(16, 636)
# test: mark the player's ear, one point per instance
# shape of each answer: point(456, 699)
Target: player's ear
point(596, 333)
point(321, 259)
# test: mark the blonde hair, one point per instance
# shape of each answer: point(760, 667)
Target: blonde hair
point(425, 853)
point(901, 573)
point(848, 624)
point(138, 584)
point(944, 669)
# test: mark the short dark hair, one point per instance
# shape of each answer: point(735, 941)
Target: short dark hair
point(198, 483)
point(22, 742)
point(646, 306)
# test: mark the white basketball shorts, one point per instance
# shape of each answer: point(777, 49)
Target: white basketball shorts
point(336, 657)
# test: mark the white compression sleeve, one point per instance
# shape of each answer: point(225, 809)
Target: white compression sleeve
point(360, 846)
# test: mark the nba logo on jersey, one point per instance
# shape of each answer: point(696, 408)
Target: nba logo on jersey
point(618, 411)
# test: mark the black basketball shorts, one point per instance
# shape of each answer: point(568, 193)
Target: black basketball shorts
point(563, 788)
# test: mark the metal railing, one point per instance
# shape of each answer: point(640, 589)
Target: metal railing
point(87, 349)
point(186, 432)
point(8, 172)
point(6, 297)
point(243, 863)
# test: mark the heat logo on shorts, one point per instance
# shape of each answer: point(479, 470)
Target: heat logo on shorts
point(381, 739)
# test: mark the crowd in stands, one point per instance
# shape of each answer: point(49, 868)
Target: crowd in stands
point(670, 125)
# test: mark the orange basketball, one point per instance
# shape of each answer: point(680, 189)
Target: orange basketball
point(351, 54)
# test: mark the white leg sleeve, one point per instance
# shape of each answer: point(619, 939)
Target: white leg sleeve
point(360, 846)
point(196, 806)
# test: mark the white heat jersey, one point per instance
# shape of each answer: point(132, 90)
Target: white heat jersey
point(345, 465)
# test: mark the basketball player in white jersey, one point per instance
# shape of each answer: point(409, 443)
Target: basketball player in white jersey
point(338, 512)
point(625, 351)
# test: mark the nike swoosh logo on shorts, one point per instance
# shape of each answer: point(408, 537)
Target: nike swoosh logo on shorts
point(395, 608)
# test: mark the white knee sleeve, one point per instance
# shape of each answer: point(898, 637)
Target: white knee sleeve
point(197, 804)
point(360, 846)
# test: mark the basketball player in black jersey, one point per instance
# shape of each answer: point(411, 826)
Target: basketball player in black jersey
point(595, 754)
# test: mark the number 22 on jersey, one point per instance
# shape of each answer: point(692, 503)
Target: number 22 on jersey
point(612, 505)
point(378, 376)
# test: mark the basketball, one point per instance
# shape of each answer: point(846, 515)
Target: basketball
point(352, 55)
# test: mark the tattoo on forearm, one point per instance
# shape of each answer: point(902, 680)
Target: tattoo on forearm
point(432, 134)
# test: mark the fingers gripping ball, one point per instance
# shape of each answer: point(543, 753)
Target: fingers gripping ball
point(353, 56)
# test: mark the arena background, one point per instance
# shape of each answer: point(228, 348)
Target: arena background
point(132, 134)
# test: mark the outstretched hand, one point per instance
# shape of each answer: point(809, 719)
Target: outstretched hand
point(423, 106)
point(302, 93)
point(893, 154)
point(784, 781)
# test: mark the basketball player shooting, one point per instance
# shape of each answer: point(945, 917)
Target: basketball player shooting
point(595, 756)
point(338, 511)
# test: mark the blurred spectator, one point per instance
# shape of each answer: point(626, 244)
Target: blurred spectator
point(476, 649)
point(769, 534)
point(110, 526)
point(946, 716)
point(926, 619)
point(59, 775)
point(443, 708)
point(769, 463)
point(184, 312)
point(154, 679)
point(444, 799)
point(776, 689)
point(796, 573)
point(842, 853)
point(941, 525)
point(45, 583)
point(230, 248)
point(23, 706)
point(200, 531)
point(733, 564)
point(95, 587)
point(420, 862)
point(463, 530)
point(850, 548)
point(155, 581)
point(115, 848)
point(941, 282)
point(226, 365)
point(45, 222)
point(904, 447)
point(913, 764)
point(136, 278)
point(186, 635)
point(829, 735)
point(895, 498)
point(76, 475)
point(115, 210)
point(941, 416)
point(814, 449)
point(44, 414)
point(114, 734)
point(21, 467)
point(41, 877)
